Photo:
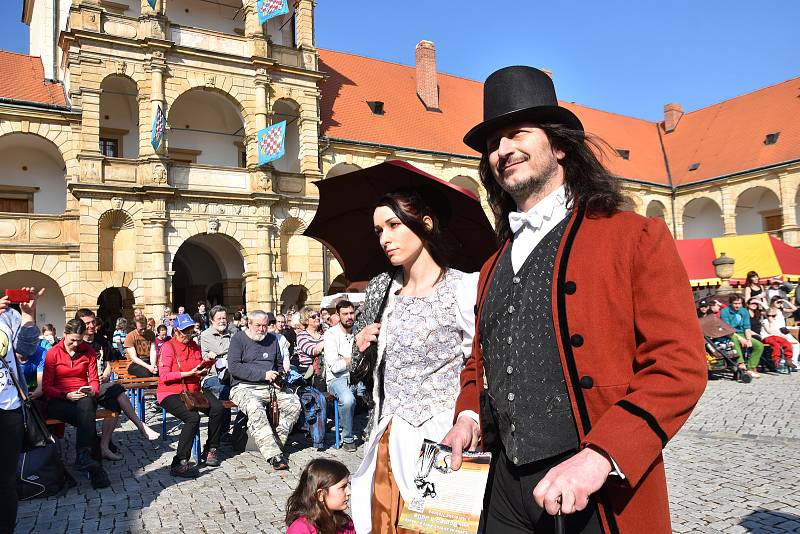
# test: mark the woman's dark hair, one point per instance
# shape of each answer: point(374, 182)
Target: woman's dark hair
point(75, 326)
point(411, 206)
point(588, 183)
point(319, 474)
point(758, 315)
point(752, 277)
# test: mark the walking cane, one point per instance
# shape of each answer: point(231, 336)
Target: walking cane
point(560, 528)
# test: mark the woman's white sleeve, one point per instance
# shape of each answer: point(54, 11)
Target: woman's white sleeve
point(466, 297)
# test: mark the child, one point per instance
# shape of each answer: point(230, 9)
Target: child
point(318, 504)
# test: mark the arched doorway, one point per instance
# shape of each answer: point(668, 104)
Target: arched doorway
point(758, 210)
point(208, 268)
point(32, 175)
point(113, 303)
point(656, 209)
point(213, 137)
point(342, 168)
point(702, 218)
point(294, 295)
point(338, 285)
point(465, 182)
point(50, 307)
point(119, 118)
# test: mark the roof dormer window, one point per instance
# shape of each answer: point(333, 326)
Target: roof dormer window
point(376, 106)
point(771, 138)
point(694, 166)
point(624, 153)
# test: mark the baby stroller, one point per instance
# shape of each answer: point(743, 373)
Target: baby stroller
point(720, 353)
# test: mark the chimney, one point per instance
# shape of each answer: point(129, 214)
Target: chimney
point(672, 115)
point(427, 87)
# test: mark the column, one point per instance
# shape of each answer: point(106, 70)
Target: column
point(157, 96)
point(156, 273)
point(304, 17)
point(90, 158)
point(265, 279)
point(232, 292)
point(728, 211)
point(262, 98)
point(790, 232)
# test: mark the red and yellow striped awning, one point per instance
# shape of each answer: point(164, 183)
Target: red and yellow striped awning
point(762, 253)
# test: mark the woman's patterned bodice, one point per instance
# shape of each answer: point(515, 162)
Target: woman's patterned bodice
point(423, 354)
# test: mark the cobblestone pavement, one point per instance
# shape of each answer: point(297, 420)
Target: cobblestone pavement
point(733, 468)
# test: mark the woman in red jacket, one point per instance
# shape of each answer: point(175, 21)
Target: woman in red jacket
point(71, 385)
point(180, 366)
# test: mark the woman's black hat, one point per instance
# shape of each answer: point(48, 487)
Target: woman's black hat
point(515, 94)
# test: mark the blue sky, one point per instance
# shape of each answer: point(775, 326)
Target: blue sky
point(622, 56)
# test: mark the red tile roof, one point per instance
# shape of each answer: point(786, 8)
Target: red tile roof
point(728, 137)
point(724, 138)
point(22, 78)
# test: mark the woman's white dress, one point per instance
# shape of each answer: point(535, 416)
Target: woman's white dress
point(424, 342)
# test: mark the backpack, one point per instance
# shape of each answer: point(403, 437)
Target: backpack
point(41, 473)
point(313, 416)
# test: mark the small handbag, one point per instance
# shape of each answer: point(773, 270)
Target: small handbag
point(36, 434)
point(195, 401)
point(364, 367)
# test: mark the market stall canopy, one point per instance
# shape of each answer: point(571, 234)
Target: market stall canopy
point(767, 255)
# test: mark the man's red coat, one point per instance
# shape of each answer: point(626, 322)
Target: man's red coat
point(631, 351)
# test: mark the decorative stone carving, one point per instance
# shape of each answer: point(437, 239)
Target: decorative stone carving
point(8, 229)
point(213, 225)
point(46, 229)
point(121, 67)
point(159, 174)
point(211, 80)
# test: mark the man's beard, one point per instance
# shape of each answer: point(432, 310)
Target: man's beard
point(532, 185)
point(221, 328)
point(347, 324)
point(256, 337)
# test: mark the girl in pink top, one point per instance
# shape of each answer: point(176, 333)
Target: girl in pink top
point(318, 504)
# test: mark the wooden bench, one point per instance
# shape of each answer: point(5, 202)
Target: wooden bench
point(101, 415)
point(135, 386)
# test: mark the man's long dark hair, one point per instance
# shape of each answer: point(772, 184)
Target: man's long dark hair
point(587, 181)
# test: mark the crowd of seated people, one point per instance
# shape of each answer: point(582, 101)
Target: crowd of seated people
point(762, 319)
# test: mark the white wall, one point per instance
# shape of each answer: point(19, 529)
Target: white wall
point(41, 38)
point(43, 171)
point(702, 218)
point(204, 112)
point(123, 114)
point(206, 15)
point(750, 208)
point(280, 29)
point(50, 308)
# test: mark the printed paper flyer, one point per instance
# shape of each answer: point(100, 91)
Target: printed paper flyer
point(447, 501)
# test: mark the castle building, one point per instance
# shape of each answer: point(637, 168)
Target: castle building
point(91, 211)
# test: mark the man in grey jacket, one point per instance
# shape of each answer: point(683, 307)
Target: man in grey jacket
point(254, 359)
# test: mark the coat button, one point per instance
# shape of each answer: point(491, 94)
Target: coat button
point(509, 370)
point(513, 427)
point(511, 309)
point(570, 288)
point(516, 460)
point(516, 280)
point(510, 397)
point(510, 340)
point(576, 340)
point(587, 382)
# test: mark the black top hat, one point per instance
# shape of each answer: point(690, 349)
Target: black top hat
point(515, 94)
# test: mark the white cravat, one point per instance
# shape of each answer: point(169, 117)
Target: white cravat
point(531, 226)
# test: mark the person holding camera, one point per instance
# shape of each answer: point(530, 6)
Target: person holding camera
point(782, 308)
point(255, 357)
point(181, 368)
point(19, 339)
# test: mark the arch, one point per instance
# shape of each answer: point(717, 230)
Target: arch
point(294, 249)
point(215, 137)
point(758, 209)
point(281, 30)
point(702, 218)
point(50, 307)
point(116, 242)
point(210, 268)
point(631, 202)
point(33, 175)
point(656, 209)
point(119, 117)
point(112, 303)
point(338, 285)
point(288, 110)
point(342, 168)
point(293, 295)
point(467, 183)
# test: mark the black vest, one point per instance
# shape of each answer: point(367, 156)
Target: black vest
point(527, 391)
